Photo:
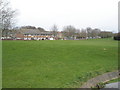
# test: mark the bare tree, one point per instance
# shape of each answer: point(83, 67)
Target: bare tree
point(83, 33)
point(69, 32)
point(95, 33)
point(6, 17)
point(78, 34)
point(54, 30)
point(89, 31)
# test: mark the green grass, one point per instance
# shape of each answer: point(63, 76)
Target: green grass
point(114, 80)
point(56, 64)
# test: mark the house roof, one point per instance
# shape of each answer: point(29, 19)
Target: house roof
point(33, 31)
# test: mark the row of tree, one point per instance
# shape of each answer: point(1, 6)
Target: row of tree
point(33, 27)
point(71, 32)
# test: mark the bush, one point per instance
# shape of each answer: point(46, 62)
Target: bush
point(116, 37)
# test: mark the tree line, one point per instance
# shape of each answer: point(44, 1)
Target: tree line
point(70, 32)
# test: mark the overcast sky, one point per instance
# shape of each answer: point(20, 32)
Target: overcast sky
point(101, 14)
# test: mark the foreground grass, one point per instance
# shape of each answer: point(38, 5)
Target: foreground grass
point(114, 80)
point(56, 64)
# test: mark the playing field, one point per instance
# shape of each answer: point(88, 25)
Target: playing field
point(56, 64)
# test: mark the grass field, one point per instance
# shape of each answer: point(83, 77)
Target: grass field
point(56, 64)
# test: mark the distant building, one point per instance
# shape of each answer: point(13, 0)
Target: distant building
point(36, 35)
point(29, 34)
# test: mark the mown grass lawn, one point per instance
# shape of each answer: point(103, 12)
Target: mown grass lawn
point(56, 64)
